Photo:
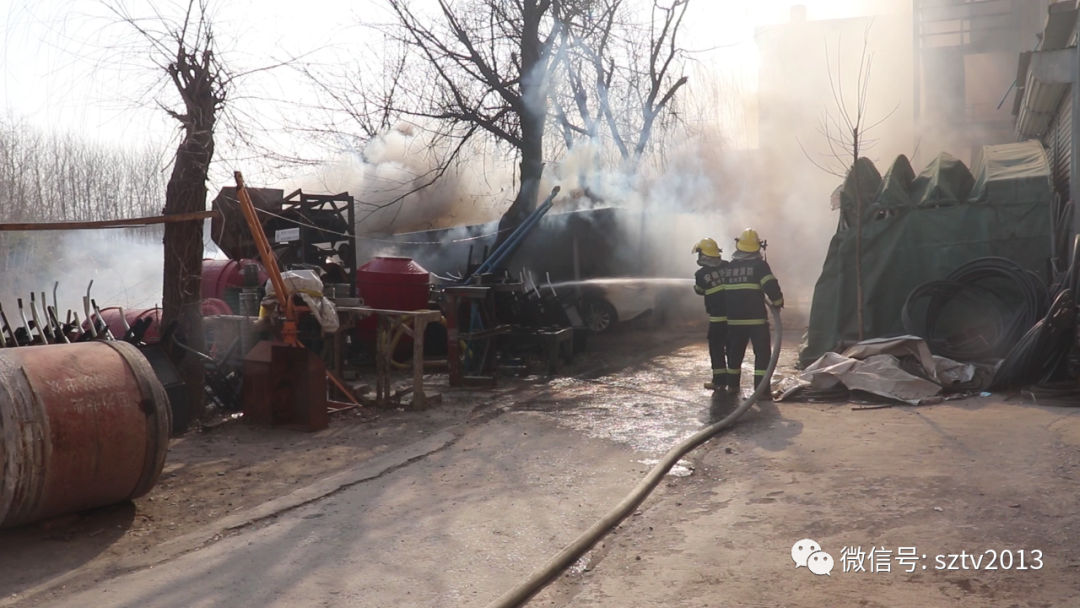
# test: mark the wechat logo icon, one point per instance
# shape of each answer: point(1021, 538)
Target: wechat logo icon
point(808, 553)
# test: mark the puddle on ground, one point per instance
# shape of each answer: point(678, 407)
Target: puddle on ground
point(638, 411)
point(649, 409)
point(683, 468)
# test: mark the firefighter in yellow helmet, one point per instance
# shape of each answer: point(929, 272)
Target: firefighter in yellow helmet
point(709, 282)
point(747, 281)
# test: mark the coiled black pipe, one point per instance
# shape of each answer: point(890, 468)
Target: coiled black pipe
point(986, 342)
point(1042, 352)
point(544, 575)
point(977, 288)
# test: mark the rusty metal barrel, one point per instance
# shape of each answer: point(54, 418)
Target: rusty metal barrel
point(81, 425)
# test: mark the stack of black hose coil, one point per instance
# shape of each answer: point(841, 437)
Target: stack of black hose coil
point(977, 290)
point(1032, 329)
point(1042, 353)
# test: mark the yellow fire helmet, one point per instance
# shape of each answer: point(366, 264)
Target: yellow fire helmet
point(707, 247)
point(748, 241)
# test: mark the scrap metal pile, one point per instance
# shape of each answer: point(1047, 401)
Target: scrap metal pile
point(39, 323)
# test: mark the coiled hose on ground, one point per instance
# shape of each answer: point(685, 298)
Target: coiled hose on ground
point(544, 575)
point(1033, 335)
point(977, 288)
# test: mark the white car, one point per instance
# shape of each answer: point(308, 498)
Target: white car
point(603, 306)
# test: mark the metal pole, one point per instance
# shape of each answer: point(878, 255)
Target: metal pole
point(288, 332)
point(419, 398)
point(453, 362)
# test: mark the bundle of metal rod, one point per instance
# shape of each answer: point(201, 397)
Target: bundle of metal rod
point(39, 322)
point(507, 249)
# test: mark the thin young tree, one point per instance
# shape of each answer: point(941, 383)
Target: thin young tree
point(845, 128)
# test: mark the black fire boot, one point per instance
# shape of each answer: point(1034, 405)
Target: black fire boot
point(768, 392)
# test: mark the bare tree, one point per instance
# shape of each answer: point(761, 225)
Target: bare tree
point(184, 49)
point(845, 129)
point(620, 77)
point(475, 67)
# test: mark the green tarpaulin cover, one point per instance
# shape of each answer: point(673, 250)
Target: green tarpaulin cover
point(920, 228)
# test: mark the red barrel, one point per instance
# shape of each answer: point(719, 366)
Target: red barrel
point(81, 426)
point(220, 275)
point(111, 316)
point(391, 283)
point(212, 306)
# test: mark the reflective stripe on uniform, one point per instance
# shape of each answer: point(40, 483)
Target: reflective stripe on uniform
point(719, 372)
point(746, 321)
point(713, 290)
point(743, 286)
point(733, 371)
point(759, 372)
point(767, 278)
point(778, 303)
point(699, 290)
point(718, 319)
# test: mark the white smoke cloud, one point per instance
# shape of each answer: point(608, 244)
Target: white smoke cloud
point(388, 176)
point(126, 268)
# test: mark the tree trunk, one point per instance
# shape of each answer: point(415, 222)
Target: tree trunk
point(532, 168)
point(182, 293)
point(533, 114)
point(858, 241)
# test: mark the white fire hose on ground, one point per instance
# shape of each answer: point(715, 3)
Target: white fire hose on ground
point(551, 570)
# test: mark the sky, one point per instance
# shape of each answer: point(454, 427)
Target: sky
point(67, 65)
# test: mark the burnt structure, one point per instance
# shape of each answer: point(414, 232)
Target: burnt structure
point(304, 229)
point(568, 246)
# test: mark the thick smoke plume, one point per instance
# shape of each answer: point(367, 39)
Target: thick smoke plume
point(126, 268)
point(390, 180)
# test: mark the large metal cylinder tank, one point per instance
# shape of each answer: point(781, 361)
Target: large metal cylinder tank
point(111, 317)
point(81, 426)
point(224, 279)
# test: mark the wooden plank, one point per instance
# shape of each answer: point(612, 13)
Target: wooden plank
point(126, 223)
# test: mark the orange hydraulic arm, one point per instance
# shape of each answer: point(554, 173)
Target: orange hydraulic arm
point(288, 331)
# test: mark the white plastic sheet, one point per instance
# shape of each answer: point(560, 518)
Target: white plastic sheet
point(310, 289)
point(873, 366)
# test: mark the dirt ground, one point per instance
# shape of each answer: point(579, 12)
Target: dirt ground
point(963, 478)
point(949, 483)
point(209, 475)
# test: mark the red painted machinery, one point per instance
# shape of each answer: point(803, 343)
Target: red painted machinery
point(111, 316)
point(224, 279)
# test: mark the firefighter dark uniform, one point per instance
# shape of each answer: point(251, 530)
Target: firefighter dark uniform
point(709, 282)
point(747, 277)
